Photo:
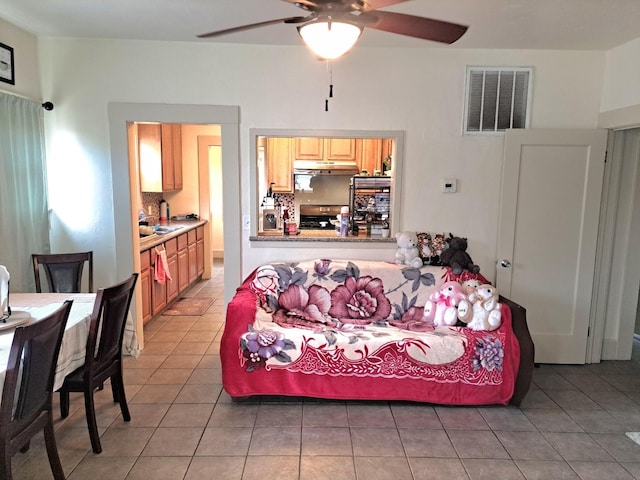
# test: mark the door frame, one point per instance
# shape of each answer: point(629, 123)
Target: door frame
point(619, 229)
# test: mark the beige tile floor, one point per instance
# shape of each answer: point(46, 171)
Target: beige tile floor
point(184, 426)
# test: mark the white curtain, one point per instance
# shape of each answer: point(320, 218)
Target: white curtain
point(24, 220)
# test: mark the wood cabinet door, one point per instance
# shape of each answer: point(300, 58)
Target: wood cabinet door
point(340, 149)
point(200, 257)
point(193, 263)
point(279, 164)
point(171, 156)
point(158, 290)
point(150, 157)
point(145, 285)
point(370, 158)
point(200, 250)
point(309, 148)
point(183, 269)
point(172, 286)
point(176, 153)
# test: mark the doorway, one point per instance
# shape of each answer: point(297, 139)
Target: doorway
point(617, 297)
point(228, 117)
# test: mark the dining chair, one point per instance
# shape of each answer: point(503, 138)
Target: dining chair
point(26, 406)
point(63, 271)
point(103, 357)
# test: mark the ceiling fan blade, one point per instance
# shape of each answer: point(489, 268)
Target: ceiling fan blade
point(418, 27)
point(368, 5)
point(217, 33)
point(305, 4)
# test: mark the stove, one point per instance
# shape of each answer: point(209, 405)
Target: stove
point(312, 215)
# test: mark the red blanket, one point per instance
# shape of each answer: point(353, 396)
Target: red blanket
point(266, 350)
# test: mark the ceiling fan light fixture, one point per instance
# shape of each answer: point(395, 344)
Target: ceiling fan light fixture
point(329, 39)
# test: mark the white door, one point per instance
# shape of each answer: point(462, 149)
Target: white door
point(550, 205)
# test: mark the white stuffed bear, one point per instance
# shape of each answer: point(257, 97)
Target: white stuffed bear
point(441, 308)
point(483, 309)
point(407, 253)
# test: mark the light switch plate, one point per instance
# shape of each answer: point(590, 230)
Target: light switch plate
point(246, 222)
point(449, 185)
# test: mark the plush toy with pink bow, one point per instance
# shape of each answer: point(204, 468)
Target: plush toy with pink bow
point(441, 308)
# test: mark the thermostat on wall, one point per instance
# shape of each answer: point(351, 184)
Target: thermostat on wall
point(449, 185)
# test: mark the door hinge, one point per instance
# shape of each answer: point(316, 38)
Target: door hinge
point(588, 332)
point(605, 156)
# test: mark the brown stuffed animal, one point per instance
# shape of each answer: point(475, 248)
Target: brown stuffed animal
point(457, 258)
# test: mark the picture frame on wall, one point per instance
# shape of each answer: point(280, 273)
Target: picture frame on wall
point(7, 73)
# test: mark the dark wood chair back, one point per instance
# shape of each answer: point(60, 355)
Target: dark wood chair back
point(108, 322)
point(63, 271)
point(28, 384)
point(103, 358)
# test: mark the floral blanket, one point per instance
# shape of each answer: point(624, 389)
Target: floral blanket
point(342, 322)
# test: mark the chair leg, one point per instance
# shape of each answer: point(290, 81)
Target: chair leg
point(117, 385)
point(5, 468)
point(90, 412)
point(64, 403)
point(52, 450)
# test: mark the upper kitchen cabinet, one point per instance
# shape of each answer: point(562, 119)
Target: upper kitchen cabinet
point(160, 153)
point(340, 148)
point(370, 158)
point(279, 164)
point(316, 148)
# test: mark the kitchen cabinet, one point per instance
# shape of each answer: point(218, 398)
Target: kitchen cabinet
point(145, 285)
point(183, 263)
point(171, 247)
point(192, 255)
point(171, 156)
point(279, 164)
point(160, 156)
point(340, 149)
point(325, 149)
point(370, 158)
point(159, 290)
point(200, 250)
point(309, 148)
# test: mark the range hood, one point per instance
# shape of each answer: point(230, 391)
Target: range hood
point(325, 167)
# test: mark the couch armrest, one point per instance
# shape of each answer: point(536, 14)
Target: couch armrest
point(527, 350)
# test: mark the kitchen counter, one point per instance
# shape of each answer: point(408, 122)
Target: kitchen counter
point(151, 241)
point(320, 235)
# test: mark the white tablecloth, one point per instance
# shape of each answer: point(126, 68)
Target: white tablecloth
point(74, 341)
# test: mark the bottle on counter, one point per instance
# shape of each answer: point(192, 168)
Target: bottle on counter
point(285, 221)
point(164, 210)
point(344, 221)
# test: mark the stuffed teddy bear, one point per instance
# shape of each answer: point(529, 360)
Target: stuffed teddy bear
point(457, 258)
point(484, 309)
point(441, 308)
point(407, 253)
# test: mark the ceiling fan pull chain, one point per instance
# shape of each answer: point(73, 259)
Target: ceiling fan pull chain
point(330, 79)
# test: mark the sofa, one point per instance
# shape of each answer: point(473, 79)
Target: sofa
point(356, 330)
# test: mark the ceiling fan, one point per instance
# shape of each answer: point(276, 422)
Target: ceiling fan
point(337, 18)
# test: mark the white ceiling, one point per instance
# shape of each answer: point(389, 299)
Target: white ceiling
point(512, 24)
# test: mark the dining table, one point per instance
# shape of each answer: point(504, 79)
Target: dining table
point(31, 307)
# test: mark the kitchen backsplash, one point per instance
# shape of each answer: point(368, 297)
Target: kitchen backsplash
point(151, 203)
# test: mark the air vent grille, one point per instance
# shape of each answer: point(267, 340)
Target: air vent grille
point(497, 99)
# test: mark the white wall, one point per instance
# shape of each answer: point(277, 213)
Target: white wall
point(621, 86)
point(25, 55)
point(416, 90)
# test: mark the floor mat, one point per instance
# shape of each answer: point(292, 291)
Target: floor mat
point(189, 306)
